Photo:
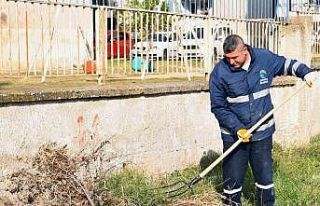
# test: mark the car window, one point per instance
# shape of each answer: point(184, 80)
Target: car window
point(117, 36)
point(222, 33)
point(156, 37)
point(112, 36)
point(200, 33)
point(189, 35)
point(109, 38)
point(122, 36)
point(173, 37)
point(159, 37)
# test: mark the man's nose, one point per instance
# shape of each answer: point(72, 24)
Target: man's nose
point(231, 61)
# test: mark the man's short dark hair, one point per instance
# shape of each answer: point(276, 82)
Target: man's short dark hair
point(232, 42)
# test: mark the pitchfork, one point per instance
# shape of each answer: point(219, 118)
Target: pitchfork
point(180, 187)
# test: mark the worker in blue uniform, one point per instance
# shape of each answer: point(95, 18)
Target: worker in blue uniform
point(240, 96)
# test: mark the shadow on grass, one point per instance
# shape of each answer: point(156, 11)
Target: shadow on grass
point(215, 177)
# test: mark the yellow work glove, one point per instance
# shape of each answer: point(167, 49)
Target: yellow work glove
point(310, 78)
point(242, 134)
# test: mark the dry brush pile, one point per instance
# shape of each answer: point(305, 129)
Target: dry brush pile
point(56, 178)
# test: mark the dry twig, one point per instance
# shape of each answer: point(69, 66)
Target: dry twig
point(54, 179)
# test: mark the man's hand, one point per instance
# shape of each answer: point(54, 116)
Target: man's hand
point(310, 78)
point(243, 134)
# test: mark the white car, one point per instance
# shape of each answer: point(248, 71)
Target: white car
point(158, 45)
point(220, 34)
point(195, 43)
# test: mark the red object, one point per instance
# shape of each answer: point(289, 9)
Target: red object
point(119, 44)
point(80, 119)
point(90, 67)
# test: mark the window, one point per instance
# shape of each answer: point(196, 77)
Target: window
point(122, 36)
point(200, 33)
point(189, 35)
point(173, 37)
point(156, 37)
point(193, 8)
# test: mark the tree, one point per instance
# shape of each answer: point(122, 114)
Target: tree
point(144, 22)
point(149, 5)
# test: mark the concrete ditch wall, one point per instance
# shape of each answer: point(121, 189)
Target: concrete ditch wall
point(164, 128)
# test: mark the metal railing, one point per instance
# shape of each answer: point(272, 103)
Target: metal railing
point(59, 39)
point(304, 5)
point(310, 8)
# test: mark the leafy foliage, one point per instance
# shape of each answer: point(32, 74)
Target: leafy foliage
point(144, 22)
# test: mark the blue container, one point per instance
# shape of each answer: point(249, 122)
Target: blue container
point(138, 62)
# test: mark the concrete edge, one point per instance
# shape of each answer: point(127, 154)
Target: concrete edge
point(117, 91)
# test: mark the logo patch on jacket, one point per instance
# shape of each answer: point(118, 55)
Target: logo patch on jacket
point(263, 77)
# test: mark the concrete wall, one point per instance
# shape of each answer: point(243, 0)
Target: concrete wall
point(158, 133)
point(155, 133)
point(297, 120)
point(51, 32)
point(296, 39)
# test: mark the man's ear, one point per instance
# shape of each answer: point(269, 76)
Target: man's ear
point(245, 49)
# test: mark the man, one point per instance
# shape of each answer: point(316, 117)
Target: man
point(239, 93)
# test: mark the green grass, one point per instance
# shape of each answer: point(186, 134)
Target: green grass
point(296, 177)
point(133, 188)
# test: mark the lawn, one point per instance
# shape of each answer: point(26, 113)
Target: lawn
point(296, 177)
point(53, 179)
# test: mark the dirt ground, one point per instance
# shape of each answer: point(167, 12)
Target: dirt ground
point(60, 83)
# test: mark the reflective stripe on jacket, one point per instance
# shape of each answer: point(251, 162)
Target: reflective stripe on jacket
point(240, 98)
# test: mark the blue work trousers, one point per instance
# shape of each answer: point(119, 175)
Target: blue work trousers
point(259, 155)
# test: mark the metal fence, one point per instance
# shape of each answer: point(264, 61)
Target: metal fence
point(310, 8)
point(58, 39)
point(304, 5)
point(245, 9)
point(315, 41)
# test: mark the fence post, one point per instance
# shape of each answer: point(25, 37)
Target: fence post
point(208, 51)
point(27, 41)
point(102, 46)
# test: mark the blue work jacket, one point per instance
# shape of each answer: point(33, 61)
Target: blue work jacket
point(240, 98)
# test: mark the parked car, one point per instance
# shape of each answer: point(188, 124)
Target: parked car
point(158, 45)
point(119, 44)
point(219, 35)
point(195, 42)
point(192, 44)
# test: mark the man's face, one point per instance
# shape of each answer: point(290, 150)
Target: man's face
point(237, 57)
